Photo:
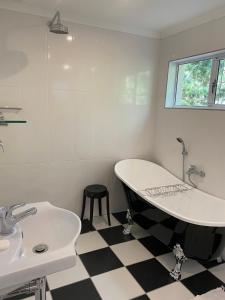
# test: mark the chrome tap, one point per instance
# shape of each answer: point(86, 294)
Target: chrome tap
point(8, 220)
point(193, 170)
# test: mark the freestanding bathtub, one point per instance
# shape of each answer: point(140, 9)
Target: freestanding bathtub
point(192, 221)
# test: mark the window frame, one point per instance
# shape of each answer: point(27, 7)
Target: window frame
point(172, 81)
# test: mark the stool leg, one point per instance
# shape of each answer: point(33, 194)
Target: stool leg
point(107, 205)
point(100, 206)
point(91, 210)
point(83, 206)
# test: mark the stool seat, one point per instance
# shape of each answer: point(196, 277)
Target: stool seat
point(95, 191)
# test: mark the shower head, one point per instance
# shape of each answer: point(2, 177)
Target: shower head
point(180, 140)
point(55, 25)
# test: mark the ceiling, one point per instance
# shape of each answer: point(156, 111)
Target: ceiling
point(153, 18)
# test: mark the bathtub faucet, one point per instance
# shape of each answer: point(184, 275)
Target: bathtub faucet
point(193, 170)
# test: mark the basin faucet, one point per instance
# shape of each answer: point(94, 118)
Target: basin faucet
point(8, 220)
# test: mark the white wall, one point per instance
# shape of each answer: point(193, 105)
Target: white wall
point(80, 120)
point(203, 131)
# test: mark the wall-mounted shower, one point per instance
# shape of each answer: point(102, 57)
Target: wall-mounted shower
point(56, 26)
point(184, 153)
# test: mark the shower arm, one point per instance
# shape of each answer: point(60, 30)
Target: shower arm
point(56, 16)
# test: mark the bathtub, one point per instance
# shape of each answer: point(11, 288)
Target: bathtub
point(193, 219)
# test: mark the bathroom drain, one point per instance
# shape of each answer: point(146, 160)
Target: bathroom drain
point(41, 248)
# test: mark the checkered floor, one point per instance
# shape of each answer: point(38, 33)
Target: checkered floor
point(112, 266)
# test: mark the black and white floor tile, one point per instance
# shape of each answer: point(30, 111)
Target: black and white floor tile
point(113, 266)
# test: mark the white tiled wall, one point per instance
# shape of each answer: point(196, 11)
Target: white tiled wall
point(88, 103)
point(203, 131)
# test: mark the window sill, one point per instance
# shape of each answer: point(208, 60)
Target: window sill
point(213, 107)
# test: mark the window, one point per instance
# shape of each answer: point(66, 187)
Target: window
point(197, 82)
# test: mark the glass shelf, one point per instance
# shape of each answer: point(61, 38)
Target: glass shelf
point(6, 122)
point(7, 109)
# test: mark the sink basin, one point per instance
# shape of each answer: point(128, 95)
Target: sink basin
point(55, 227)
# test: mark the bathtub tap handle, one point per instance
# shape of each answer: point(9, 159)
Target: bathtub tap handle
point(193, 170)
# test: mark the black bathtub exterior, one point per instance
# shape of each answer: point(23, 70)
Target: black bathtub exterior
point(198, 242)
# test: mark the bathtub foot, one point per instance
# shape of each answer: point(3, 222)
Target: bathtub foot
point(219, 259)
point(130, 222)
point(180, 259)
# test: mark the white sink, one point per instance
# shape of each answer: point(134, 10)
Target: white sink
point(55, 227)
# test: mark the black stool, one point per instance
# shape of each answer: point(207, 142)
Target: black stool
point(95, 191)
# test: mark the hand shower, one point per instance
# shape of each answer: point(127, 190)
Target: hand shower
point(184, 153)
point(180, 140)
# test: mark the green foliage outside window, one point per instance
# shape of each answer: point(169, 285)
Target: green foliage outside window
point(193, 83)
point(194, 80)
point(220, 91)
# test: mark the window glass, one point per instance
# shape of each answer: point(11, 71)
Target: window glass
point(193, 81)
point(220, 91)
